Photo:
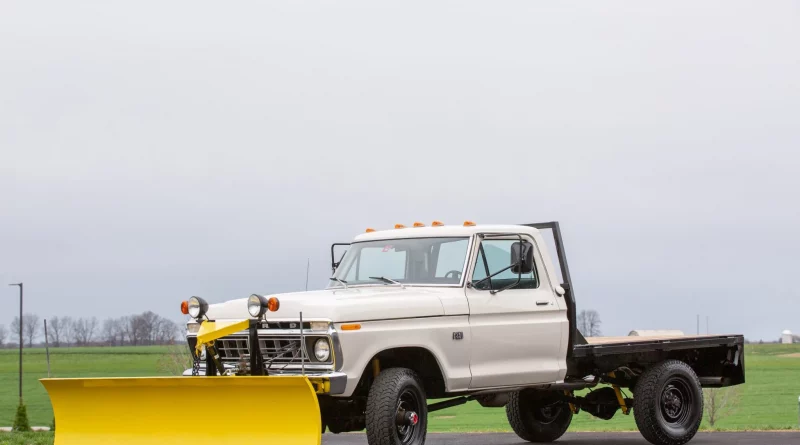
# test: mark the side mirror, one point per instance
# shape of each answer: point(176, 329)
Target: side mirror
point(334, 263)
point(522, 258)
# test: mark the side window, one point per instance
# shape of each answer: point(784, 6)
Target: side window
point(496, 256)
point(451, 260)
point(379, 261)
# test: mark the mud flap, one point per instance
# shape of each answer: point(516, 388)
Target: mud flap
point(185, 410)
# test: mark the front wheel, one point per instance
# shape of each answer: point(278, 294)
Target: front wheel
point(668, 403)
point(538, 416)
point(397, 411)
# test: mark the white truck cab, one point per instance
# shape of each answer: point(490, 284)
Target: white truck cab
point(472, 312)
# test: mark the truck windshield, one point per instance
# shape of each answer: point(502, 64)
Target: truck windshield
point(404, 261)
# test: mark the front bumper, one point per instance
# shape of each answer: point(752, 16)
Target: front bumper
point(329, 383)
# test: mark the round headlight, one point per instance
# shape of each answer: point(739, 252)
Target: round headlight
point(197, 307)
point(256, 305)
point(322, 350)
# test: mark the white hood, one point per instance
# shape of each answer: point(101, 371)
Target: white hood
point(342, 305)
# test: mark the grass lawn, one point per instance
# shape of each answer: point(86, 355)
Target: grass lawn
point(69, 362)
point(26, 438)
point(767, 401)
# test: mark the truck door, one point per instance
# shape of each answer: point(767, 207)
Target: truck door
point(516, 333)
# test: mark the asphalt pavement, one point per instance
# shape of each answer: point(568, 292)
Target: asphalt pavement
point(754, 438)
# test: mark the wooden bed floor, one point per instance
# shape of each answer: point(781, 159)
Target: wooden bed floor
point(638, 338)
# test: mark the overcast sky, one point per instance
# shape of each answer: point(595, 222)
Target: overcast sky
point(150, 151)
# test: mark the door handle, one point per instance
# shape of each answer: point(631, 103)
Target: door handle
point(542, 303)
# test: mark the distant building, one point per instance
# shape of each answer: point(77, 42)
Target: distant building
point(786, 337)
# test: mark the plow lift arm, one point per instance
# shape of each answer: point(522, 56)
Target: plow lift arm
point(201, 410)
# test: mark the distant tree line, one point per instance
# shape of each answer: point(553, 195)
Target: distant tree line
point(147, 328)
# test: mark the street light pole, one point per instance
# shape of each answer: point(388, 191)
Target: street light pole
point(20, 339)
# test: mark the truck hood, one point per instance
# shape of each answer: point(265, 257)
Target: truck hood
point(342, 305)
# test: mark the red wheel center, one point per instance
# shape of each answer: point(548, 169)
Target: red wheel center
point(413, 418)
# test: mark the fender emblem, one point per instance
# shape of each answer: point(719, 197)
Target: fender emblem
point(458, 335)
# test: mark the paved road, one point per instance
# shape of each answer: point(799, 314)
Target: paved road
point(778, 438)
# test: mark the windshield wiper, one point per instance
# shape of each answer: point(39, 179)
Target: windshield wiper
point(343, 283)
point(388, 281)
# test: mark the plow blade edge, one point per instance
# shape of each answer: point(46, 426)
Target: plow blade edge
point(183, 410)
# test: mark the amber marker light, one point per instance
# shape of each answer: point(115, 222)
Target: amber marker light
point(468, 223)
point(437, 224)
point(273, 304)
point(419, 224)
point(351, 327)
point(399, 226)
point(185, 307)
point(369, 230)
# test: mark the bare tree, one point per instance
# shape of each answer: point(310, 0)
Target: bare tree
point(111, 332)
point(55, 331)
point(3, 335)
point(589, 323)
point(66, 334)
point(126, 325)
point(14, 327)
point(133, 326)
point(720, 403)
point(91, 328)
point(78, 326)
point(84, 330)
point(150, 325)
point(30, 327)
point(119, 330)
point(167, 332)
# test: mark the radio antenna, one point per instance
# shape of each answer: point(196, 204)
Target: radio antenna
point(308, 266)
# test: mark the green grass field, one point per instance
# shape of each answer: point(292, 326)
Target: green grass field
point(769, 399)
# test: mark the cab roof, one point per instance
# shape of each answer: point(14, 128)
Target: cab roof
point(443, 231)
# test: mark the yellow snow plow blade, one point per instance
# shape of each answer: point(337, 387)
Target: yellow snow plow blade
point(185, 410)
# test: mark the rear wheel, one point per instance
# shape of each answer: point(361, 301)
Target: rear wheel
point(668, 403)
point(538, 416)
point(397, 411)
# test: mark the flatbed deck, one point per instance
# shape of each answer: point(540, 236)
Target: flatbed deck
point(597, 346)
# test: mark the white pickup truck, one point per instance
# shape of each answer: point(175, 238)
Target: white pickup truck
point(461, 313)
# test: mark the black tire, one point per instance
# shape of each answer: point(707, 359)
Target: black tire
point(538, 416)
point(668, 403)
point(395, 390)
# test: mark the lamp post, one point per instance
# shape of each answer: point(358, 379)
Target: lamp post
point(20, 339)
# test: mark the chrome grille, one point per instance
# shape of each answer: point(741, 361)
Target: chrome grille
point(275, 350)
